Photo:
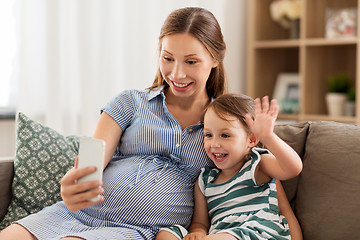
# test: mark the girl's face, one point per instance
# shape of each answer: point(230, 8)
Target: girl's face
point(226, 142)
point(185, 64)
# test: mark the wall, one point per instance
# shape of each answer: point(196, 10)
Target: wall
point(7, 138)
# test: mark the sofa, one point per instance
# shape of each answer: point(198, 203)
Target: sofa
point(325, 197)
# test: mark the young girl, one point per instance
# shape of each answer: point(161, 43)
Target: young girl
point(237, 199)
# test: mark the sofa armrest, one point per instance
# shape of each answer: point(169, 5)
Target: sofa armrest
point(6, 177)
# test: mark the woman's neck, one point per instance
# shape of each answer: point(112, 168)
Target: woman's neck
point(198, 102)
point(187, 111)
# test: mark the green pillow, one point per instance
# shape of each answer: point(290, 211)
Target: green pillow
point(42, 158)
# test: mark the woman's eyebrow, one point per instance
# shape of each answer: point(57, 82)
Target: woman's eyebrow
point(189, 55)
point(166, 51)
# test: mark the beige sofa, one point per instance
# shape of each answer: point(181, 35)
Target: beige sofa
point(325, 196)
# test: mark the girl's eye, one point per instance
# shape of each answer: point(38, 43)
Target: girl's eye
point(224, 135)
point(208, 135)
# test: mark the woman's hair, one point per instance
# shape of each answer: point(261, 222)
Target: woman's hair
point(203, 25)
point(232, 105)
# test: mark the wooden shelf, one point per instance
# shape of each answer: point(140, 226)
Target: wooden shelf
point(330, 42)
point(312, 55)
point(277, 44)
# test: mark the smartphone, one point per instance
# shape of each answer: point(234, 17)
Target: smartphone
point(92, 153)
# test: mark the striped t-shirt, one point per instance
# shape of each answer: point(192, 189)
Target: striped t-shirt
point(240, 202)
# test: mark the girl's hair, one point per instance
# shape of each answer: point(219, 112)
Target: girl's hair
point(202, 24)
point(233, 105)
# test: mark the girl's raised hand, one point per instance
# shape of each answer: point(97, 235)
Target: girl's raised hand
point(265, 117)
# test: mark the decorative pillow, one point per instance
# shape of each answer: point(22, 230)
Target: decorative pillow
point(295, 135)
point(42, 157)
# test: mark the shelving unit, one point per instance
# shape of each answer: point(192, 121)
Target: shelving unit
point(313, 56)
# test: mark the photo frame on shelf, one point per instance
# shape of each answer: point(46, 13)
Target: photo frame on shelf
point(341, 23)
point(287, 92)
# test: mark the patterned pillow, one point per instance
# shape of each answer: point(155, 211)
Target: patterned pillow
point(42, 157)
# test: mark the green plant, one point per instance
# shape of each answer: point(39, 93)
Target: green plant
point(339, 83)
point(352, 94)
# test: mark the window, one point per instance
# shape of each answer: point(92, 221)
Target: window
point(8, 48)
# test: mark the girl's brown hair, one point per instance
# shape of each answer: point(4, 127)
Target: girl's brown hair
point(202, 24)
point(233, 105)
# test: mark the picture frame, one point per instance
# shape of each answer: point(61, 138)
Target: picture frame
point(287, 92)
point(341, 23)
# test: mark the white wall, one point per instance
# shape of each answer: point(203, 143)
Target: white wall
point(7, 138)
point(231, 16)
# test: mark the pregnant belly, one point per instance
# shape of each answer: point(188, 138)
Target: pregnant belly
point(146, 193)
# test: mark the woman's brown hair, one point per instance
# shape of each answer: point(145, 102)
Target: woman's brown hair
point(202, 24)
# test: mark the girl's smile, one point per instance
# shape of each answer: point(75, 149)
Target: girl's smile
point(219, 157)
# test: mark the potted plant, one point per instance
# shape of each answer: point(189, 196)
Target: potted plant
point(339, 86)
point(350, 103)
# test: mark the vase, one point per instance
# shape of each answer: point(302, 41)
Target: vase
point(294, 31)
point(350, 108)
point(336, 103)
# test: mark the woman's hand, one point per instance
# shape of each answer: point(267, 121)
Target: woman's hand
point(76, 195)
point(265, 117)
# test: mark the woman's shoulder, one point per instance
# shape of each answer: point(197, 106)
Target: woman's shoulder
point(142, 93)
point(133, 92)
point(133, 95)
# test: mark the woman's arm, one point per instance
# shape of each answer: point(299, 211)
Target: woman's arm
point(287, 212)
point(108, 130)
point(76, 196)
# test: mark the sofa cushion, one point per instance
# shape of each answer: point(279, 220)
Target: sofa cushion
point(6, 176)
point(42, 157)
point(295, 135)
point(329, 185)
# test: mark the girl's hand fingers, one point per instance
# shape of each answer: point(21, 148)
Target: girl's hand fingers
point(274, 108)
point(265, 104)
point(249, 121)
point(257, 104)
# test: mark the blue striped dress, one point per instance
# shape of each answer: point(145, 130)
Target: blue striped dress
point(240, 206)
point(149, 182)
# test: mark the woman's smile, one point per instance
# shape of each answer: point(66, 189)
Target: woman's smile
point(180, 86)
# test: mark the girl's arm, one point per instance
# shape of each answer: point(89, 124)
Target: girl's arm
point(287, 212)
point(76, 196)
point(285, 162)
point(200, 223)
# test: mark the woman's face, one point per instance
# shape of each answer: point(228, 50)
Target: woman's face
point(185, 64)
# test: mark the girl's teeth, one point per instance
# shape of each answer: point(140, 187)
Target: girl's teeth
point(219, 155)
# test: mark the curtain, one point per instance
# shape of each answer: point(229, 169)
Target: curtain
point(75, 55)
